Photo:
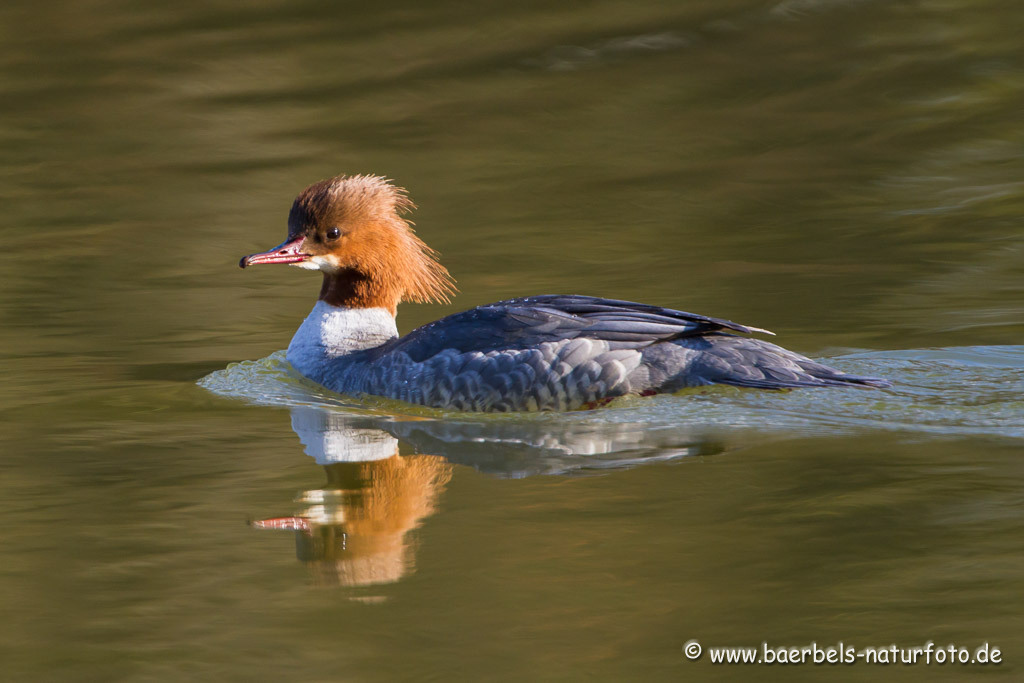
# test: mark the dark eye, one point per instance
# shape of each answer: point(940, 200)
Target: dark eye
point(333, 233)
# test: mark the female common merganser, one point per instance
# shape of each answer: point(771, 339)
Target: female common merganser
point(548, 352)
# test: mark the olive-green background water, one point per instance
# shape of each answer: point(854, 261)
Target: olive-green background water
point(847, 174)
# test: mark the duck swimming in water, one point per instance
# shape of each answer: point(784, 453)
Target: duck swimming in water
point(548, 352)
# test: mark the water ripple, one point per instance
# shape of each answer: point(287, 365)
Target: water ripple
point(954, 391)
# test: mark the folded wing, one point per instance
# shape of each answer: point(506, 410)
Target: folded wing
point(531, 321)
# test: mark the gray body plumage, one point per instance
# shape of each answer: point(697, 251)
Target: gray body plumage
point(563, 353)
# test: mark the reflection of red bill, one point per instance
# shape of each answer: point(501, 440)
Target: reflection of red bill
point(292, 523)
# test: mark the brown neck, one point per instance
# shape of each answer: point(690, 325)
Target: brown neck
point(353, 289)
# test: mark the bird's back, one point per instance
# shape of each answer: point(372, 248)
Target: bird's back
point(558, 352)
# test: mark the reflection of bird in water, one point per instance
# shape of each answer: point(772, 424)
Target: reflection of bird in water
point(353, 531)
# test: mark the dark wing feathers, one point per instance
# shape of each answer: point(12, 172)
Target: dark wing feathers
point(614, 310)
point(527, 322)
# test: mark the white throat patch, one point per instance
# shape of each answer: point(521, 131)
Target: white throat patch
point(330, 332)
point(328, 264)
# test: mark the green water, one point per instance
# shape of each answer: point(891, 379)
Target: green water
point(846, 174)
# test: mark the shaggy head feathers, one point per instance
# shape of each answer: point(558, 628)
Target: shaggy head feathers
point(354, 230)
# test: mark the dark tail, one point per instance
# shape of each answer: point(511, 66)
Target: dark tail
point(746, 362)
point(813, 378)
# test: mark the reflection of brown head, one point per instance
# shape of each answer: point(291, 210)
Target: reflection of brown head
point(355, 529)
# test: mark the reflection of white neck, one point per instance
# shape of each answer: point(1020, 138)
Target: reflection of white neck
point(329, 332)
point(327, 438)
